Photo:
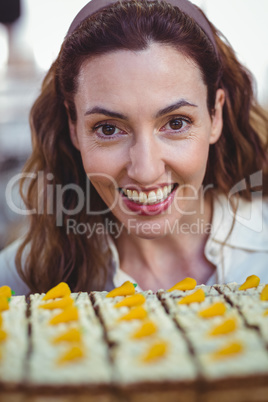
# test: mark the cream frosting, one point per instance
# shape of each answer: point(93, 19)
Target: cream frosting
point(113, 356)
point(15, 347)
point(43, 367)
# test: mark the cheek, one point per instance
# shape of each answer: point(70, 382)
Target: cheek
point(101, 168)
point(191, 161)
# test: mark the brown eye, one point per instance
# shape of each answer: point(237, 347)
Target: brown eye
point(176, 124)
point(108, 129)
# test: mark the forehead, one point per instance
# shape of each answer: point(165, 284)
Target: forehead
point(158, 71)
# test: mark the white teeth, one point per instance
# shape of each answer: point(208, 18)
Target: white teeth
point(152, 198)
point(159, 194)
point(135, 196)
point(142, 198)
point(165, 192)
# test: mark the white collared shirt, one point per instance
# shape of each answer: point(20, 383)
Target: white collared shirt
point(237, 246)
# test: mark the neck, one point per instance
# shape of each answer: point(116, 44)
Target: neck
point(161, 262)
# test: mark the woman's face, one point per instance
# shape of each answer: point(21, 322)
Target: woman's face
point(144, 130)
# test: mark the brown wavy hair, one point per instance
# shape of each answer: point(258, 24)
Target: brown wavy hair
point(48, 253)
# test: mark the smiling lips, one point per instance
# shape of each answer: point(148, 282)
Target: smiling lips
point(152, 197)
point(150, 203)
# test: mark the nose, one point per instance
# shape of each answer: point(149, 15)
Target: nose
point(146, 164)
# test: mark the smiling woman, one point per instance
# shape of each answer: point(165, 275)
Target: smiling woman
point(143, 136)
point(148, 145)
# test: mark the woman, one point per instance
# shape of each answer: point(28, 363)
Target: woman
point(147, 145)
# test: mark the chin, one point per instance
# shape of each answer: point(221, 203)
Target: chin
point(146, 230)
point(150, 236)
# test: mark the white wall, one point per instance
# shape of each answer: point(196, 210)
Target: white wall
point(243, 22)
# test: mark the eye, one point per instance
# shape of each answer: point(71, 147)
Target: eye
point(106, 129)
point(176, 125)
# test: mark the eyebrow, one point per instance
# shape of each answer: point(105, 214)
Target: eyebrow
point(110, 113)
point(106, 112)
point(174, 106)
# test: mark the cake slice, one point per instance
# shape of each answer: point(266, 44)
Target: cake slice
point(67, 349)
point(13, 347)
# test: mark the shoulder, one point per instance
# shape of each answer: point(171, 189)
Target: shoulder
point(8, 272)
point(238, 244)
point(241, 223)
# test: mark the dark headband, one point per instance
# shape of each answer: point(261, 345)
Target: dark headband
point(184, 5)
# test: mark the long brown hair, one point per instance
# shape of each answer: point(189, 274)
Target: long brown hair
point(48, 252)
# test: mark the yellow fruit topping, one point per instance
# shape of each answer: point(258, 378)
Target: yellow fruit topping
point(156, 351)
point(66, 301)
point(231, 349)
point(124, 290)
point(72, 335)
point(3, 335)
point(5, 291)
point(252, 281)
point(3, 303)
point(264, 293)
point(131, 301)
point(1, 320)
point(69, 314)
point(185, 284)
point(265, 313)
point(136, 313)
point(212, 311)
point(226, 327)
point(61, 290)
point(147, 329)
point(197, 297)
point(74, 353)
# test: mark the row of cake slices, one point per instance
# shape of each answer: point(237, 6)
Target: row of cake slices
point(145, 343)
point(57, 356)
point(210, 326)
point(53, 339)
point(216, 323)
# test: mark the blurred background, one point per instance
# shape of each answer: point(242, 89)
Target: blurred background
point(30, 39)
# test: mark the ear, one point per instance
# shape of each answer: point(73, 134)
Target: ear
point(217, 121)
point(72, 129)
